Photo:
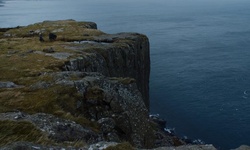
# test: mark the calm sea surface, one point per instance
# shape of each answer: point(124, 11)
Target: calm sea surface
point(200, 56)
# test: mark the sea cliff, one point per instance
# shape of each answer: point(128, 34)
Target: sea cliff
point(66, 84)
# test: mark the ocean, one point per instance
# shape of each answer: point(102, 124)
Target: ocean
point(200, 56)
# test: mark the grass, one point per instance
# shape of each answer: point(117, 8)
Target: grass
point(66, 30)
point(125, 81)
point(12, 131)
point(20, 64)
point(121, 146)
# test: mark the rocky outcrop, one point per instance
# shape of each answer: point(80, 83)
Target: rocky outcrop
point(8, 85)
point(115, 103)
point(84, 85)
point(118, 55)
point(57, 129)
point(81, 89)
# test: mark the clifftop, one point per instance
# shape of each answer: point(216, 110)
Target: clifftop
point(76, 45)
point(65, 83)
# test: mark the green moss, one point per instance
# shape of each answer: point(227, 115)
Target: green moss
point(58, 100)
point(122, 146)
point(17, 69)
point(22, 62)
point(43, 100)
point(66, 30)
point(78, 119)
point(125, 81)
point(95, 93)
point(12, 131)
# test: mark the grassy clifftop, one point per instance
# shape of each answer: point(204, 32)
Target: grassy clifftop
point(26, 66)
point(25, 62)
point(83, 75)
point(83, 89)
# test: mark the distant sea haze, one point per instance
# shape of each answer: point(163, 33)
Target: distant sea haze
point(200, 56)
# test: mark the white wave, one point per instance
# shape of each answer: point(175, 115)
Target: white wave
point(244, 97)
point(245, 92)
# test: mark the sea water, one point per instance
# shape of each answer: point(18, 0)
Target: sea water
point(200, 56)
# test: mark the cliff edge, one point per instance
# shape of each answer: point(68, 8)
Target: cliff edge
point(66, 84)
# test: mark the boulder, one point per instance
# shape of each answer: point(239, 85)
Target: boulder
point(7, 84)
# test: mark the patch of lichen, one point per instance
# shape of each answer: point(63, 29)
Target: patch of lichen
point(12, 131)
point(121, 146)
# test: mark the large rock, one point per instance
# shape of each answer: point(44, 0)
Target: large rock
point(7, 85)
point(115, 103)
point(60, 130)
point(88, 86)
point(118, 55)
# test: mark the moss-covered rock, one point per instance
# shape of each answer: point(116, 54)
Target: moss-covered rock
point(44, 76)
point(13, 131)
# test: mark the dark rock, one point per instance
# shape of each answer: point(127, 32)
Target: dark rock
point(30, 51)
point(159, 121)
point(52, 37)
point(6, 29)
point(90, 25)
point(107, 124)
point(20, 115)
point(31, 32)
point(124, 60)
point(40, 85)
point(104, 98)
point(113, 136)
point(114, 104)
point(12, 52)
point(41, 38)
point(49, 50)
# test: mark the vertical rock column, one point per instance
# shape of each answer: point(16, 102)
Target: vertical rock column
point(132, 61)
point(127, 55)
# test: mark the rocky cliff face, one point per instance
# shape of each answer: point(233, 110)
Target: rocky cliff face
point(80, 86)
point(119, 55)
point(65, 84)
